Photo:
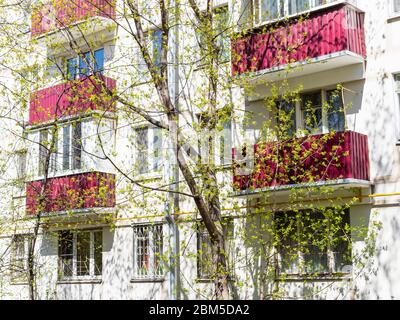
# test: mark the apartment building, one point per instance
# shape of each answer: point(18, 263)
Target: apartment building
point(94, 173)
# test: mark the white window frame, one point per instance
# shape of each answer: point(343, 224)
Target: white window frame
point(151, 274)
point(92, 275)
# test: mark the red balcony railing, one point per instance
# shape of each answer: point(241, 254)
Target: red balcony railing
point(314, 158)
point(79, 191)
point(334, 29)
point(60, 13)
point(71, 98)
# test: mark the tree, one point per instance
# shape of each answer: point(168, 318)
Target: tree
point(180, 50)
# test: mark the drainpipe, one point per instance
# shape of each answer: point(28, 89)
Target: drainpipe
point(172, 205)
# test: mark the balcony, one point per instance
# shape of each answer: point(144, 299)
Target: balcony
point(324, 39)
point(74, 192)
point(333, 158)
point(71, 98)
point(59, 14)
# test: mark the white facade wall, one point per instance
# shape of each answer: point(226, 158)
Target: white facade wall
point(373, 109)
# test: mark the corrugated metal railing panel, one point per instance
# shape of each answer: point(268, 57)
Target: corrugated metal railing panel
point(314, 158)
point(335, 29)
point(71, 98)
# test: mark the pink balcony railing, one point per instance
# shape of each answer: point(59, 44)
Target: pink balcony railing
point(61, 13)
point(314, 158)
point(334, 29)
point(71, 98)
point(79, 191)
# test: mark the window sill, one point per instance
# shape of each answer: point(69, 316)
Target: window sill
point(143, 280)
point(80, 281)
point(318, 277)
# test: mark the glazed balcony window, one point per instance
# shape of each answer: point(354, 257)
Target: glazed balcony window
point(19, 256)
point(261, 11)
point(85, 64)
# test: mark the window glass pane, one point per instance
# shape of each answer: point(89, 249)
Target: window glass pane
point(71, 68)
point(43, 147)
point(226, 143)
point(269, 10)
point(76, 145)
point(396, 6)
point(286, 230)
point(99, 60)
point(65, 254)
point(223, 39)
point(142, 150)
point(142, 251)
point(286, 119)
point(157, 148)
point(204, 255)
point(98, 248)
point(336, 116)
point(315, 236)
point(158, 249)
point(312, 112)
point(54, 152)
point(18, 261)
point(157, 47)
point(84, 64)
point(66, 146)
point(341, 244)
point(83, 253)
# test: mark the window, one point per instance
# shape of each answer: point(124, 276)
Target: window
point(85, 64)
point(323, 111)
point(221, 16)
point(80, 253)
point(285, 118)
point(205, 266)
point(312, 112)
point(148, 250)
point(267, 10)
point(148, 149)
point(21, 166)
point(154, 46)
point(19, 256)
point(72, 146)
point(46, 145)
point(226, 143)
point(313, 242)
